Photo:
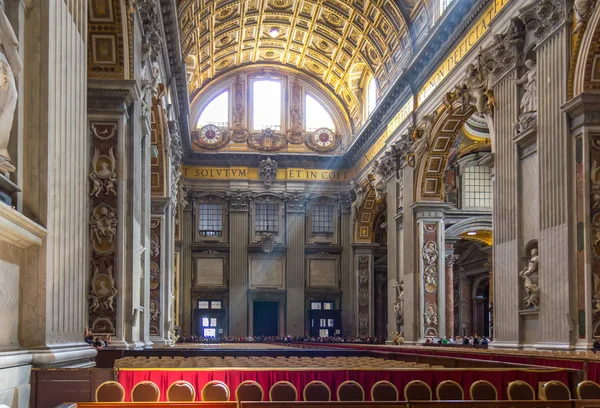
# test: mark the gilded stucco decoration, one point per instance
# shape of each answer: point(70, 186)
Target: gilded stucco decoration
point(108, 41)
point(326, 40)
point(367, 211)
point(267, 141)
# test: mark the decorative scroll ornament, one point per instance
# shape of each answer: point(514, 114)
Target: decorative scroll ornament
point(103, 131)
point(267, 141)
point(267, 242)
point(544, 17)
point(104, 228)
point(210, 137)
point(530, 281)
point(529, 100)
point(506, 50)
point(583, 10)
point(238, 200)
point(102, 290)
point(152, 41)
point(430, 253)
point(431, 320)
point(295, 202)
point(267, 171)
point(103, 175)
point(323, 140)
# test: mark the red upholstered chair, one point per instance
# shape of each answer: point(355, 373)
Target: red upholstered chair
point(555, 391)
point(145, 391)
point(110, 391)
point(215, 391)
point(384, 391)
point(449, 391)
point(350, 391)
point(181, 390)
point(520, 391)
point(417, 390)
point(249, 391)
point(316, 391)
point(483, 391)
point(283, 391)
point(588, 390)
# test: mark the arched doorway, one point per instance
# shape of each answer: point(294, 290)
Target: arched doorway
point(481, 307)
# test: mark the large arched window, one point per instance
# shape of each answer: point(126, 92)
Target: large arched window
point(266, 105)
point(371, 99)
point(216, 112)
point(444, 5)
point(316, 115)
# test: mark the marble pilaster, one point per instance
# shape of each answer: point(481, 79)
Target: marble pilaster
point(392, 258)
point(365, 287)
point(349, 297)
point(295, 224)
point(238, 272)
point(409, 265)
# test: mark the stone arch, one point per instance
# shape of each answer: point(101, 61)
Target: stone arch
point(458, 230)
point(451, 116)
point(586, 72)
point(366, 216)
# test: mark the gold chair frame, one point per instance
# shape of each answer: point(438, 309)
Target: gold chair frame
point(585, 382)
point(520, 382)
point(182, 382)
point(115, 383)
point(553, 382)
point(418, 382)
point(215, 382)
point(337, 392)
point(262, 391)
point(388, 383)
point(483, 382)
point(145, 382)
point(437, 389)
point(316, 382)
point(282, 382)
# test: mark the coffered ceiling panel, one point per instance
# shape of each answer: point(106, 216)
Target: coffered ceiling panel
point(332, 40)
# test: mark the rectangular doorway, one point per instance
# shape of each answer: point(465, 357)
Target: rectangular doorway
point(265, 318)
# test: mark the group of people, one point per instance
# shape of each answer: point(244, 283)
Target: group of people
point(465, 341)
point(96, 342)
point(277, 339)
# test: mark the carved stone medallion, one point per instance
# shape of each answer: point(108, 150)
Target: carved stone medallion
point(267, 243)
point(267, 171)
point(104, 228)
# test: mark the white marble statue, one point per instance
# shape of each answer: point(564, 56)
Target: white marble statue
point(476, 85)
point(360, 196)
point(530, 277)
point(529, 101)
point(10, 66)
point(583, 10)
point(379, 183)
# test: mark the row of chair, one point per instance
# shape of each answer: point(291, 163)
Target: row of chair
point(318, 391)
point(266, 362)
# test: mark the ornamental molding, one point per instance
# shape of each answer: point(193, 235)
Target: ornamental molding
point(296, 202)
point(238, 200)
point(267, 172)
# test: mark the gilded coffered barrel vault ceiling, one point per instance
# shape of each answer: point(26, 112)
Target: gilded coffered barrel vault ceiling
point(336, 42)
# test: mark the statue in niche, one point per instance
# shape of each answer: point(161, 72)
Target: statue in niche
point(10, 66)
point(399, 304)
point(583, 10)
point(476, 86)
point(359, 192)
point(529, 101)
point(378, 183)
point(530, 277)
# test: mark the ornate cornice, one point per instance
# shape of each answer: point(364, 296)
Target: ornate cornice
point(238, 200)
point(295, 202)
point(113, 95)
point(583, 110)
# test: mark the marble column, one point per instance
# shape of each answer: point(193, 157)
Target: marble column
point(466, 305)
point(432, 273)
point(449, 277)
point(349, 297)
point(238, 265)
point(295, 227)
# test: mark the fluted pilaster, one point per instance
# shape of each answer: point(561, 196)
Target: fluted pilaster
point(348, 281)
point(296, 221)
point(238, 273)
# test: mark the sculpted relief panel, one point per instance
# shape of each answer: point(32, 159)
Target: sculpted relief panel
point(104, 222)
